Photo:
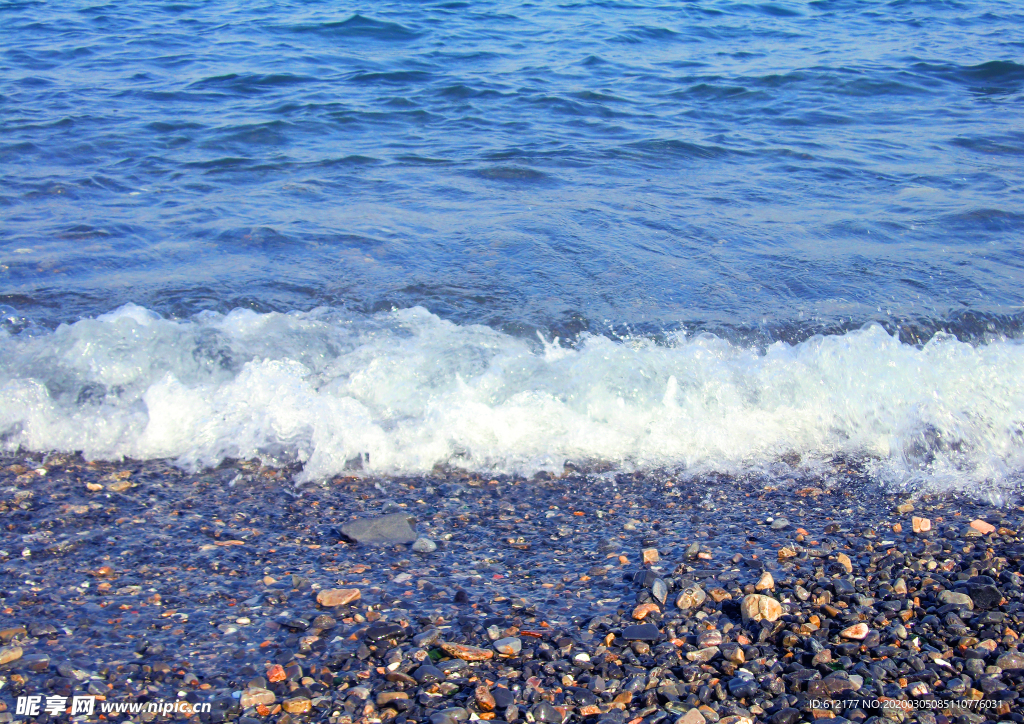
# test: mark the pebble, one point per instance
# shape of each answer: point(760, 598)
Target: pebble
point(297, 705)
point(466, 652)
point(643, 610)
point(660, 591)
point(706, 639)
point(509, 646)
point(920, 525)
point(757, 607)
point(779, 524)
point(857, 632)
point(956, 599)
point(9, 654)
point(424, 545)
point(765, 582)
point(641, 632)
point(691, 597)
point(650, 555)
point(337, 597)
point(255, 697)
point(392, 528)
point(982, 526)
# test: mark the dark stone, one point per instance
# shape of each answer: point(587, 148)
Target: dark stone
point(641, 632)
point(786, 716)
point(428, 674)
point(381, 631)
point(503, 698)
point(984, 596)
point(742, 687)
point(544, 712)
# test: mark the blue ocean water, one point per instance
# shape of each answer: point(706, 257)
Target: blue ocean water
point(709, 203)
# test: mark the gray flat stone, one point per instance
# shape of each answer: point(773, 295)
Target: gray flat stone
point(393, 528)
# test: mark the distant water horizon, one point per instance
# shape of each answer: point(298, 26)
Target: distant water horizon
point(511, 236)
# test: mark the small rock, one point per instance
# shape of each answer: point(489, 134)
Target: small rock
point(36, 662)
point(641, 632)
point(276, 673)
point(703, 655)
point(255, 697)
point(9, 654)
point(644, 610)
point(510, 646)
point(384, 631)
point(765, 582)
point(1011, 661)
point(659, 590)
point(756, 607)
point(845, 562)
point(331, 597)
point(691, 597)
point(466, 652)
point(693, 716)
point(484, 699)
point(732, 652)
point(706, 639)
point(428, 674)
point(424, 545)
point(546, 713)
point(386, 697)
point(920, 525)
point(297, 705)
point(719, 595)
point(856, 632)
point(780, 524)
point(984, 596)
point(958, 599)
point(393, 528)
point(650, 555)
point(982, 527)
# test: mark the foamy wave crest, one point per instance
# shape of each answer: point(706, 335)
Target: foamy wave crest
point(406, 391)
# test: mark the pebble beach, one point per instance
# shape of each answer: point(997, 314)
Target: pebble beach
point(583, 598)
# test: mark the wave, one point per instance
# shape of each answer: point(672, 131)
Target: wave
point(404, 392)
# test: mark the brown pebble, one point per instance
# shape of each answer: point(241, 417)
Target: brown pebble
point(920, 525)
point(484, 698)
point(644, 609)
point(982, 527)
point(651, 555)
point(719, 594)
point(467, 653)
point(297, 705)
point(332, 597)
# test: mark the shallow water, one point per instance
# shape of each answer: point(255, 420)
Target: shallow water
point(621, 171)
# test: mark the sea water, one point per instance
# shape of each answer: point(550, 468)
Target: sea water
point(507, 236)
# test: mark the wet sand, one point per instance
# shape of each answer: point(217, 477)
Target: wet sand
point(612, 599)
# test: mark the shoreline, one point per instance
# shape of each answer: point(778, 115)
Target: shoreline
point(137, 581)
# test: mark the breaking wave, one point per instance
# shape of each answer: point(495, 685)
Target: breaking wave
point(404, 392)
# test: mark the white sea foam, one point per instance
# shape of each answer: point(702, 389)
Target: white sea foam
point(406, 391)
